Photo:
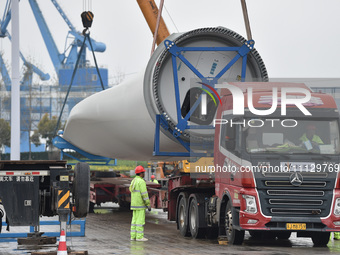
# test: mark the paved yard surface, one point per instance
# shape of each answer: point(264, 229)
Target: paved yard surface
point(107, 232)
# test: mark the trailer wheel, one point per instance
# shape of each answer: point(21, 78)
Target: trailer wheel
point(320, 239)
point(234, 236)
point(195, 231)
point(182, 217)
point(81, 189)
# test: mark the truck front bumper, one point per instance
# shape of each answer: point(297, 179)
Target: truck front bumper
point(259, 221)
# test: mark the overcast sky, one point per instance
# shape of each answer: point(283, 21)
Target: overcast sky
point(295, 38)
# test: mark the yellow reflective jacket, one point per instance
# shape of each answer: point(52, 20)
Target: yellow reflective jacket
point(154, 181)
point(315, 139)
point(139, 194)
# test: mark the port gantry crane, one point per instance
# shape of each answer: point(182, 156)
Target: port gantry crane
point(63, 62)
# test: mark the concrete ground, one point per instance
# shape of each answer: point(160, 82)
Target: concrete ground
point(108, 232)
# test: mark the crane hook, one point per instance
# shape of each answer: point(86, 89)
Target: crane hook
point(87, 18)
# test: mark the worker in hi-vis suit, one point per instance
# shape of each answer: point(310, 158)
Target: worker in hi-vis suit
point(139, 202)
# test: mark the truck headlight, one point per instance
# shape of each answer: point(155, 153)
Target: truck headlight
point(337, 207)
point(251, 204)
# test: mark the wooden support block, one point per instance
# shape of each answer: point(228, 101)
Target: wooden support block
point(37, 240)
point(222, 240)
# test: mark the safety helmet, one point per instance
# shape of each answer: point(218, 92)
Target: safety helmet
point(152, 177)
point(139, 169)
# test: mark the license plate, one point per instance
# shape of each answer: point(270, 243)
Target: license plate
point(296, 226)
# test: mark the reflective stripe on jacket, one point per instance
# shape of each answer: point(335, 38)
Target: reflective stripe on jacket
point(139, 194)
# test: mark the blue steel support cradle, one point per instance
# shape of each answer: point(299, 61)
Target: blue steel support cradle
point(182, 123)
point(63, 145)
point(80, 233)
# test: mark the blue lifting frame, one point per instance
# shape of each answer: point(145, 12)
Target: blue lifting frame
point(182, 123)
point(63, 145)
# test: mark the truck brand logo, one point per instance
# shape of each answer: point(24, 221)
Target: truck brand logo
point(296, 179)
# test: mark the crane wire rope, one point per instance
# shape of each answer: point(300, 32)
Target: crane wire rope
point(86, 36)
point(171, 18)
point(87, 5)
point(157, 26)
point(246, 19)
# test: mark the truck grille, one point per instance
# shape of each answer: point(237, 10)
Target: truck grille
point(315, 184)
point(306, 175)
point(296, 211)
point(294, 202)
point(305, 193)
point(279, 197)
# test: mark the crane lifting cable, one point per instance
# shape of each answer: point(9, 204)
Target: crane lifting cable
point(87, 15)
point(87, 18)
point(157, 25)
point(150, 12)
point(246, 19)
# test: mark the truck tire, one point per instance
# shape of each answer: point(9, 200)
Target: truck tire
point(194, 217)
point(320, 239)
point(234, 236)
point(182, 217)
point(81, 189)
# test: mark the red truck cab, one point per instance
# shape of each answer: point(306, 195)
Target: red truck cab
point(277, 172)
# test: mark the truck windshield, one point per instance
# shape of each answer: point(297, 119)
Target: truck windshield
point(307, 136)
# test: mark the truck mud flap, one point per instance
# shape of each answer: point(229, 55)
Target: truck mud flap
point(236, 216)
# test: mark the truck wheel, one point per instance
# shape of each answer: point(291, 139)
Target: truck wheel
point(195, 231)
point(234, 236)
point(320, 239)
point(81, 189)
point(182, 217)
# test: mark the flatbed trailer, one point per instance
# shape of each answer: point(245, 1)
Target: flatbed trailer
point(30, 189)
point(116, 190)
point(162, 196)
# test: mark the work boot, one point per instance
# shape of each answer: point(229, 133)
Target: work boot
point(337, 235)
point(142, 240)
point(133, 239)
